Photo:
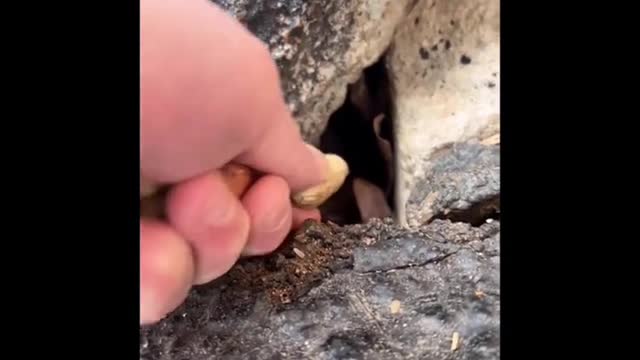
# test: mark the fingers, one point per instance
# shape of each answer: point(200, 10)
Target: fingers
point(166, 270)
point(169, 266)
point(269, 208)
point(237, 177)
point(190, 51)
point(209, 89)
point(272, 216)
point(282, 152)
point(206, 212)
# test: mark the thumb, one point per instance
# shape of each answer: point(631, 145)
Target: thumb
point(281, 151)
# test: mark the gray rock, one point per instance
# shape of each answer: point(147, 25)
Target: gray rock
point(320, 47)
point(399, 252)
point(459, 177)
point(347, 314)
point(444, 66)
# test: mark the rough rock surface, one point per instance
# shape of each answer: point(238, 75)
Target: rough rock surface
point(460, 178)
point(370, 291)
point(320, 47)
point(444, 67)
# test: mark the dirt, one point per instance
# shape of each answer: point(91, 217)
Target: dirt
point(283, 276)
point(305, 259)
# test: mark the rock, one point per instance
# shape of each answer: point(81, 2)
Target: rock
point(399, 252)
point(444, 65)
point(460, 179)
point(320, 47)
point(407, 309)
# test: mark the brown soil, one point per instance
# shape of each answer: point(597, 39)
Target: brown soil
point(304, 259)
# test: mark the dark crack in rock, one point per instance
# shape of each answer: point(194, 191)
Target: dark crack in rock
point(345, 313)
point(396, 253)
point(462, 182)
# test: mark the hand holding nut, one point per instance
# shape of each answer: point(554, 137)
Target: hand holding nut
point(239, 177)
point(211, 216)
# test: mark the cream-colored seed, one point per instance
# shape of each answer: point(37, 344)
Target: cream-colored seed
point(455, 341)
point(299, 252)
point(315, 196)
point(395, 306)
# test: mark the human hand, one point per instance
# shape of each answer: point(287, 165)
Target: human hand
point(210, 95)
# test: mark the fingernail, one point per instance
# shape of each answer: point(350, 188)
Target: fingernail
point(274, 221)
point(223, 236)
point(220, 214)
point(320, 160)
point(267, 227)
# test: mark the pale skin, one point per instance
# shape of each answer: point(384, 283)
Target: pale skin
point(210, 95)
